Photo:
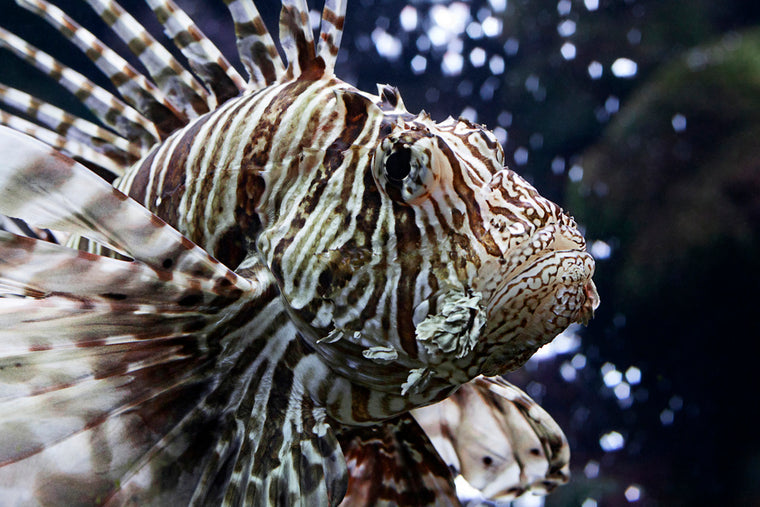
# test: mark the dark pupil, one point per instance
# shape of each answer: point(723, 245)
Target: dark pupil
point(397, 165)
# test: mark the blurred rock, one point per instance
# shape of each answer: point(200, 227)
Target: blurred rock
point(674, 186)
point(675, 179)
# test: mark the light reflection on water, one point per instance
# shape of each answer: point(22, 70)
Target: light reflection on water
point(633, 493)
point(612, 441)
point(624, 67)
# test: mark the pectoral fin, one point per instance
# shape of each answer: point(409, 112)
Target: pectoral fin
point(500, 440)
point(160, 379)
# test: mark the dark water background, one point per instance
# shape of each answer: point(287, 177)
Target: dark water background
point(642, 117)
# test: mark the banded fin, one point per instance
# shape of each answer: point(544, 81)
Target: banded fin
point(178, 85)
point(499, 439)
point(132, 382)
point(48, 190)
point(287, 454)
point(204, 58)
point(297, 38)
point(177, 97)
point(117, 151)
point(136, 89)
point(68, 146)
point(21, 228)
point(164, 417)
point(394, 464)
point(107, 108)
point(255, 45)
point(96, 347)
point(141, 400)
point(103, 301)
point(257, 439)
point(333, 17)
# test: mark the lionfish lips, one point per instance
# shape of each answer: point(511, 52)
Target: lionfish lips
point(590, 304)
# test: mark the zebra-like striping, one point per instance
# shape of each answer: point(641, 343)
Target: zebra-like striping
point(107, 108)
point(282, 268)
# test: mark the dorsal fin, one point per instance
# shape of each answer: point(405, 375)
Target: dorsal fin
point(333, 17)
point(179, 86)
point(297, 40)
point(107, 108)
point(255, 45)
point(203, 56)
point(70, 147)
point(176, 97)
point(133, 86)
point(114, 153)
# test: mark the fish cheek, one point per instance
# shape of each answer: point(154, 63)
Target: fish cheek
point(340, 265)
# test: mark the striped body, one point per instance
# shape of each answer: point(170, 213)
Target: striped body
point(354, 261)
point(288, 175)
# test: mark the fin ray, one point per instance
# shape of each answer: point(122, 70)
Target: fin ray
point(203, 56)
point(147, 385)
point(107, 108)
point(70, 147)
point(296, 37)
point(501, 441)
point(177, 84)
point(394, 463)
point(132, 85)
point(68, 125)
point(333, 17)
point(80, 459)
point(255, 45)
point(48, 190)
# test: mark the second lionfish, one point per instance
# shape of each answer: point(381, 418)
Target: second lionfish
point(283, 268)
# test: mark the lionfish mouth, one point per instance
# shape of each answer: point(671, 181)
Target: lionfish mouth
point(542, 285)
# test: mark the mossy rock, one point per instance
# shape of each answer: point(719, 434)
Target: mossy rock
point(674, 182)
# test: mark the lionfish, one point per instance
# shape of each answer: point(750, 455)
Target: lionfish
point(282, 269)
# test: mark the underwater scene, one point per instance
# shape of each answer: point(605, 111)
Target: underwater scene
point(640, 118)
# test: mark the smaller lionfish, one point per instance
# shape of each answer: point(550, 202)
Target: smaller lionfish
point(282, 269)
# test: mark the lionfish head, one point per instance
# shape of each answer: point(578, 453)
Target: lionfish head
point(439, 257)
point(485, 239)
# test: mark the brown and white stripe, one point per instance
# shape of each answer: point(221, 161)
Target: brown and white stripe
point(355, 261)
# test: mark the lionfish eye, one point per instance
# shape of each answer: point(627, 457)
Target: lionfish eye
point(398, 165)
point(403, 167)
